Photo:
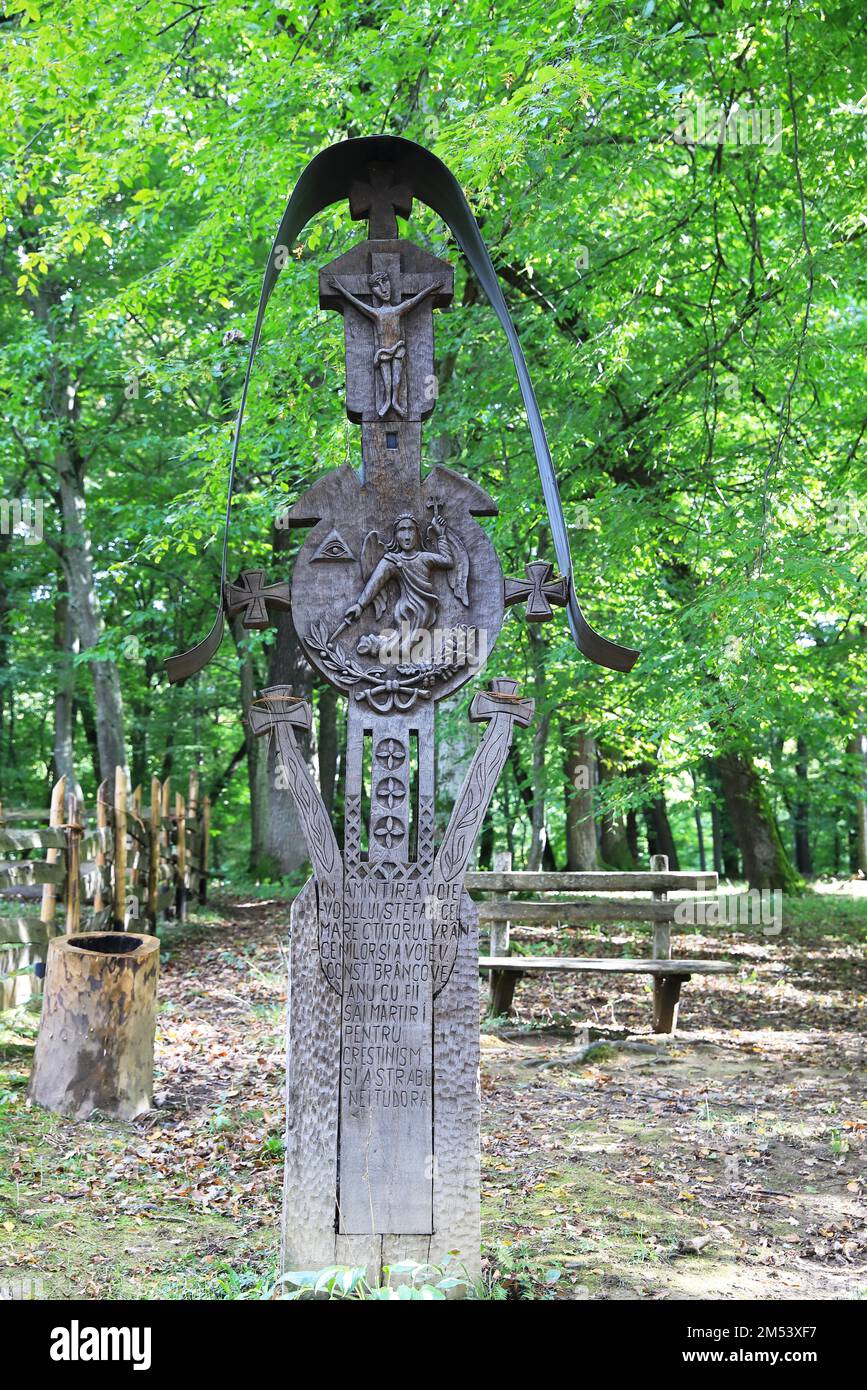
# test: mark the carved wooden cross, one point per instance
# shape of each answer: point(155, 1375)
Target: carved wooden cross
point(539, 589)
point(378, 200)
point(250, 592)
point(502, 698)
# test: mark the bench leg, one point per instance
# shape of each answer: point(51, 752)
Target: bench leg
point(666, 996)
point(502, 990)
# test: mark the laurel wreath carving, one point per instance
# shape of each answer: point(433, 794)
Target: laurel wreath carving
point(390, 686)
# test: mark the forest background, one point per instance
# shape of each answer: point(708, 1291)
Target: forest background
point(673, 196)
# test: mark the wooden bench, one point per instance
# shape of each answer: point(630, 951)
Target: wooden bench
point(668, 973)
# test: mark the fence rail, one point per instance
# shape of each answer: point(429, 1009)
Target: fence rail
point(124, 865)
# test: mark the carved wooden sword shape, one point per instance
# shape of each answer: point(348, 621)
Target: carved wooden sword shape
point(281, 713)
point(501, 707)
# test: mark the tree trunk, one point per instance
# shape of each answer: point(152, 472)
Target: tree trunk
point(699, 827)
point(579, 766)
point(801, 816)
point(64, 687)
point(75, 544)
point(541, 729)
point(699, 832)
point(84, 708)
point(725, 848)
point(632, 836)
point(486, 841)
point(857, 749)
point(766, 864)
point(659, 837)
point(525, 791)
point(614, 847)
point(256, 753)
point(86, 609)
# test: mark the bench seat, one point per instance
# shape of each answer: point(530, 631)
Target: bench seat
point(623, 965)
point(501, 914)
point(668, 976)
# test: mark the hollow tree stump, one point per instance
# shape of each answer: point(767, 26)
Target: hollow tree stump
point(95, 1049)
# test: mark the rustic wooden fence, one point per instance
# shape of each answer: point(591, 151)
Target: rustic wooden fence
point(122, 866)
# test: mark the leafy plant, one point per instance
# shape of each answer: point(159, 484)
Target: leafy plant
point(401, 1283)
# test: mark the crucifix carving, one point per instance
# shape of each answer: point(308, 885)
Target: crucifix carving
point(389, 340)
point(386, 290)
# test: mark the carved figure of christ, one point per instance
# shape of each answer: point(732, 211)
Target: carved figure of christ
point(388, 342)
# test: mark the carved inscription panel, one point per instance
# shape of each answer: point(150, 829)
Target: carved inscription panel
point(386, 1065)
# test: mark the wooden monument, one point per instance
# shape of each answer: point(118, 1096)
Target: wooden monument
point(398, 597)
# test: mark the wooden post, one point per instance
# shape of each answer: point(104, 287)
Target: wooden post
point(55, 819)
point(73, 832)
point(135, 868)
point(194, 832)
point(95, 1049)
point(102, 858)
point(666, 988)
point(154, 833)
point(502, 982)
point(661, 930)
point(205, 852)
point(666, 998)
point(166, 837)
point(119, 901)
point(181, 881)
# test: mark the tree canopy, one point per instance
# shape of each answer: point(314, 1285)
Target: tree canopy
point(673, 196)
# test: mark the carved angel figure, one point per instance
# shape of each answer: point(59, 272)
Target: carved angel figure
point(405, 561)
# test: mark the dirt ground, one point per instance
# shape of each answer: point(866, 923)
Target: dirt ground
point(724, 1163)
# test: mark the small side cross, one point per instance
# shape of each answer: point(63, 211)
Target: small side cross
point(378, 200)
point(540, 589)
point(502, 697)
point(251, 593)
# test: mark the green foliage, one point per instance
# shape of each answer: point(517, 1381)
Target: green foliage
point(416, 1281)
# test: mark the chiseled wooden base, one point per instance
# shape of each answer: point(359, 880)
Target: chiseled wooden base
point(311, 1197)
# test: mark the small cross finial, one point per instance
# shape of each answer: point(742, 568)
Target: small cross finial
point(251, 593)
point(279, 705)
point(379, 200)
point(502, 697)
point(540, 590)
